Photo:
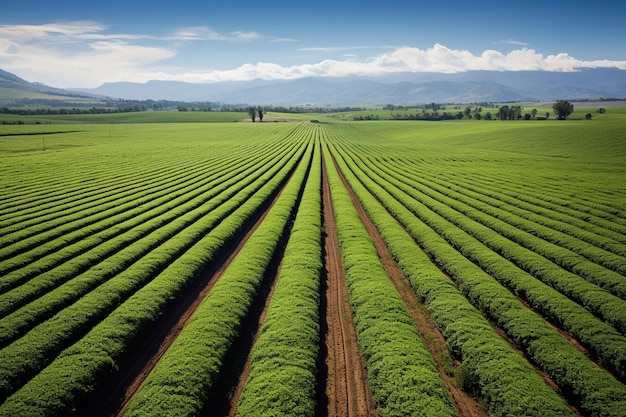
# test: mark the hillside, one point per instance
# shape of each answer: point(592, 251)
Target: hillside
point(14, 88)
point(405, 88)
point(467, 87)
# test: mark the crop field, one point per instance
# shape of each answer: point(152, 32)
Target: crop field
point(379, 268)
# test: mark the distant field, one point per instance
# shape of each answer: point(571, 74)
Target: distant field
point(149, 262)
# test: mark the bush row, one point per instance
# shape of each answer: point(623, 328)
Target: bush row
point(282, 378)
point(493, 252)
point(23, 358)
point(551, 205)
point(107, 259)
point(598, 245)
point(532, 236)
point(593, 389)
point(505, 380)
point(185, 376)
point(401, 372)
point(47, 236)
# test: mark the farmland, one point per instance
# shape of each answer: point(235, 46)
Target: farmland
point(453, 268)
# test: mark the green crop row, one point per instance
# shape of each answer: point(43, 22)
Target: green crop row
point(75, 371)
point(585, 384)
point(24, 357)
point(594, 243)
point(89, 236)
point(551, 205)
point(107, 260)
point(60, 223)
point(185, 376)
point(283, 368)
point(547, 261)
point(474, 241)
point(400, 370)
point(505, 380)
point(60, 249)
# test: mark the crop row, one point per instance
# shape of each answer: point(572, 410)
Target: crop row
point(185, 376)
point(594, 392)
point(146, 286)
point(590, 240)
point(494, 253)
point(400, 370)
point(504, 379)
point(553, 264)
point(555, 205)
point(283, 361)
point(78, 189)
point(96, 266)
point(104, 206)
point(114, 233)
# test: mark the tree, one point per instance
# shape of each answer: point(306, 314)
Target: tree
point(260, 115)
point(252, 113)
point(563, 109)
point(588, 116)
point(503, 113)
point(533, 112)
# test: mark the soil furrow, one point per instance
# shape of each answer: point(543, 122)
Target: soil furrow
point(346, 387)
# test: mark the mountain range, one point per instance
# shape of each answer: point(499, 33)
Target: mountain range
point(401, 88)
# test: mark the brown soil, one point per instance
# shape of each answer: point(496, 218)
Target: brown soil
point(431, 336)
point(347, 391)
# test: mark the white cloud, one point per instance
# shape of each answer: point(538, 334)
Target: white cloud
point(85, 54)
point(341, 48)
point(512, 42)
point(408, 59)
point(205, 33)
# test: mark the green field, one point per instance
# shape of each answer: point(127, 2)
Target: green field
point(512, 235)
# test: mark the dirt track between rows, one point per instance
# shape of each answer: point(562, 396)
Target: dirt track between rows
point(432, 337)
point(346, 388)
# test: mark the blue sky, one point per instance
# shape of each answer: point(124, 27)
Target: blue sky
point(84, 44)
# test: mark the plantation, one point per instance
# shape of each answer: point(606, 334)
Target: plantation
point(152, 268)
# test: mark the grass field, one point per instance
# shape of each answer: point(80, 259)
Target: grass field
point(511, 237)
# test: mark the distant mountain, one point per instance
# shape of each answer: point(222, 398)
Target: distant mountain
point(405, 88)
point(13, 82)
point(400, 88)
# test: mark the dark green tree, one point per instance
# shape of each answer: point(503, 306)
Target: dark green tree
point(261, 114)
point(503, 113)
point(562, 109)
point(252, 113)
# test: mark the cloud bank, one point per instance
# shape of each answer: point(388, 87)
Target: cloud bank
point(85, 54)
point(439, 59)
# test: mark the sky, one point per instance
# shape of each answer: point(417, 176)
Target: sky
point(81, 44)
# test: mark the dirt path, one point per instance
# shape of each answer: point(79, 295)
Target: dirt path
point(112, 397)
point(243, 376)
point(432, 337)
point(347, 391)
